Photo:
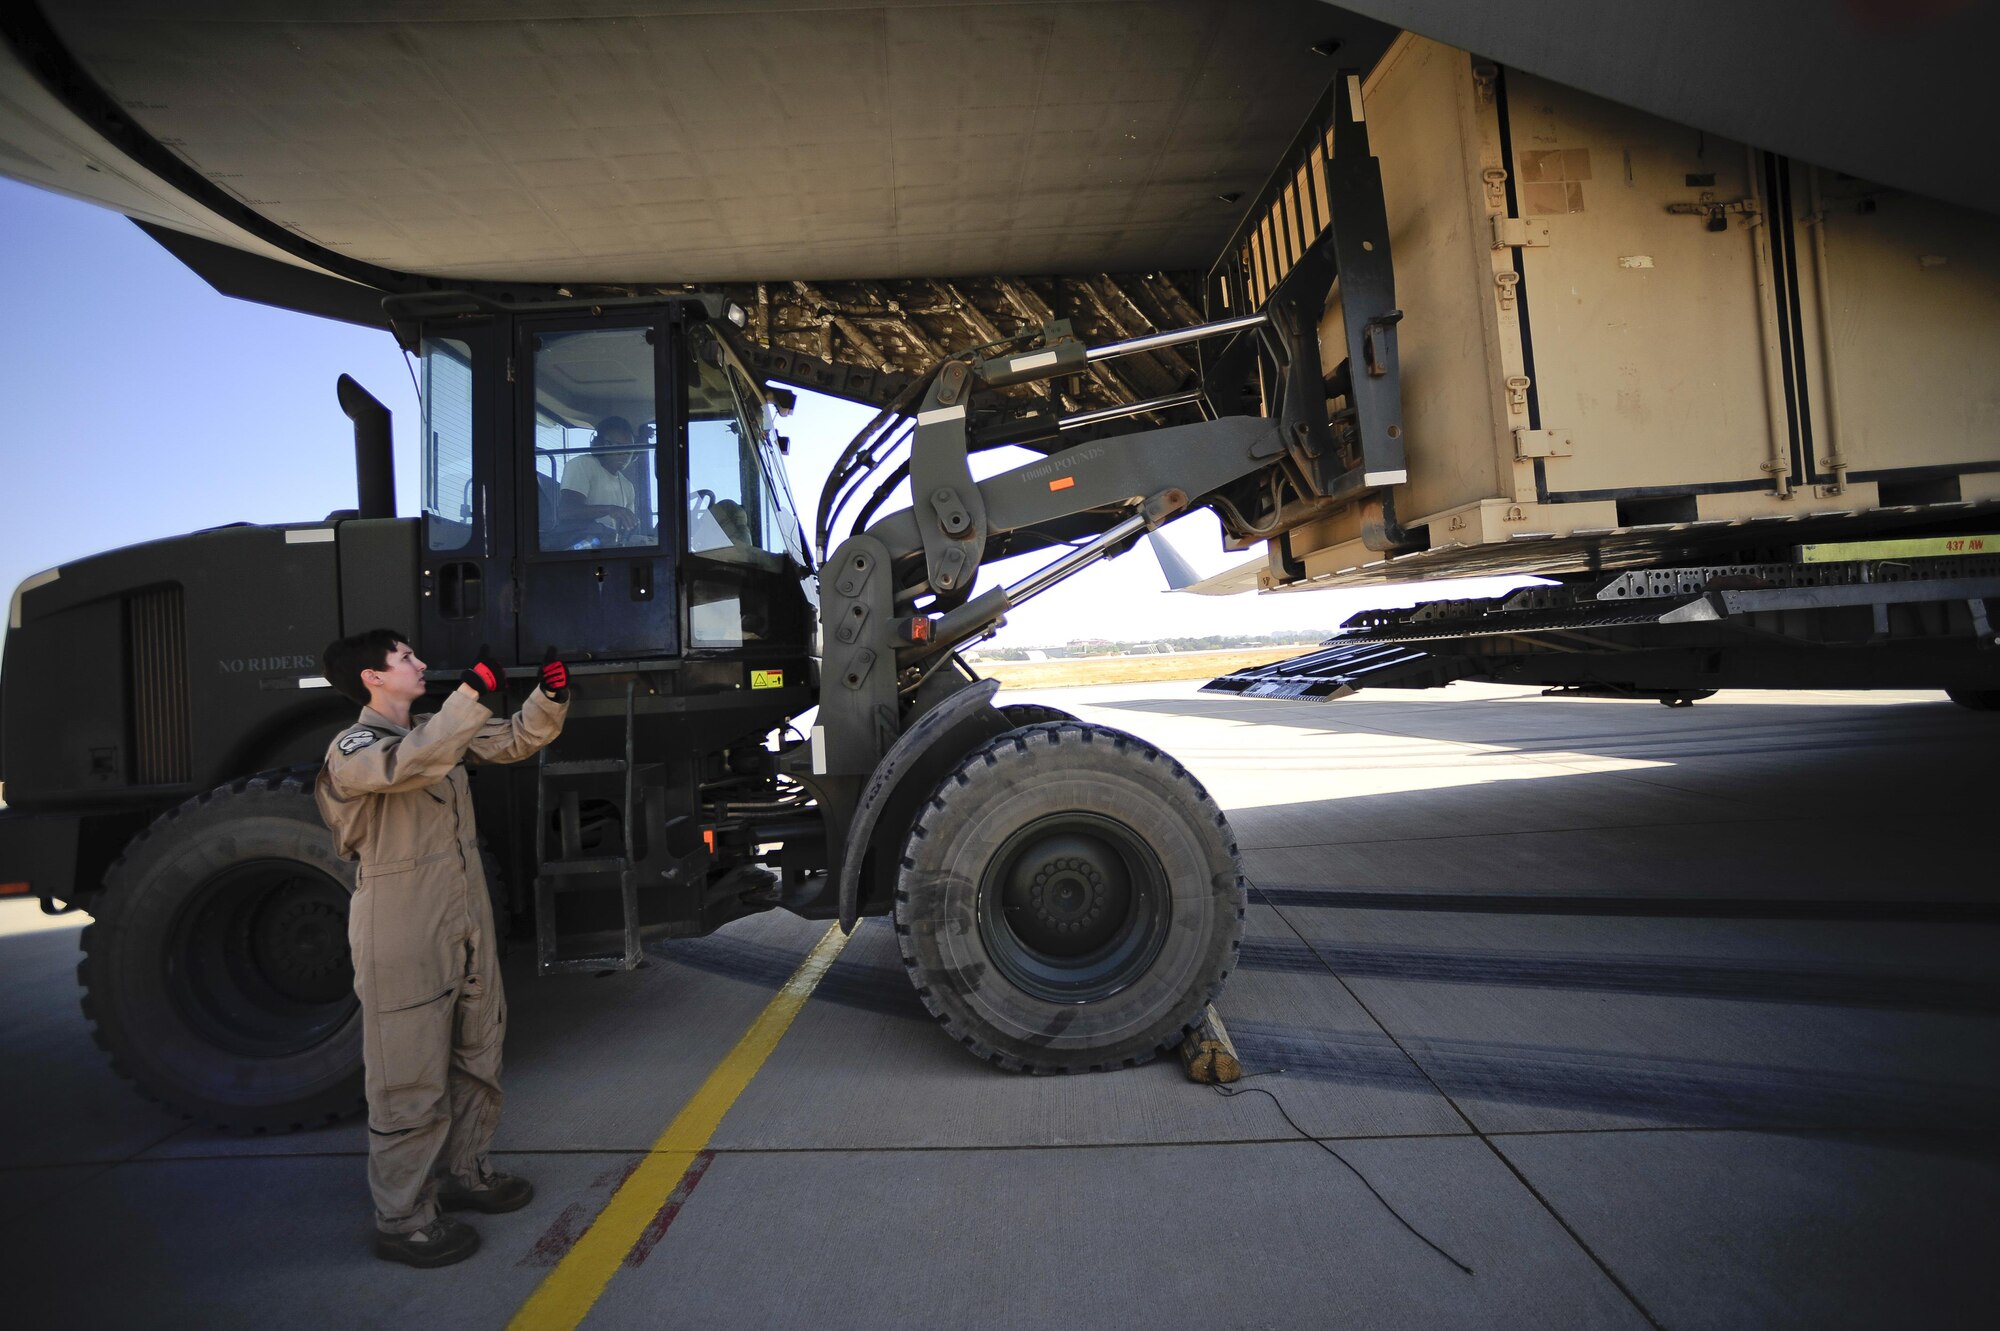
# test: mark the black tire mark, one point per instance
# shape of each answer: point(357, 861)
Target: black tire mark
point(1707, 1093)
point(1761, 981)
point(1645, 907)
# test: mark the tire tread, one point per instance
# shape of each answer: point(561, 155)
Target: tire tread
point(1055, 734)
point(105, 1030)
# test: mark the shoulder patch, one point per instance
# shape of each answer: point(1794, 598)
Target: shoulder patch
point(355, 740)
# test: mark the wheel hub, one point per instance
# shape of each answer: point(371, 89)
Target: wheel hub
point(259, 961)
point(1073, 907)
point(302, 940)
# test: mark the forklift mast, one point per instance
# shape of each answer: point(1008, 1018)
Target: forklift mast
point(1276, 437)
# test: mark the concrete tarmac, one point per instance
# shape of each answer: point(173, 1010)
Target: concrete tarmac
point(1669, 1017)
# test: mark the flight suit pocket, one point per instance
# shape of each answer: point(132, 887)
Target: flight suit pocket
point(482, 1017)
point(396, 932)
point(413, 1042)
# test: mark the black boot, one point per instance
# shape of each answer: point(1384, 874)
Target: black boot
point(500, 1192)
point(440, 1243)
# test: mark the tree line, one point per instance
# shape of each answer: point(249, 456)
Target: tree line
point(1083, 647)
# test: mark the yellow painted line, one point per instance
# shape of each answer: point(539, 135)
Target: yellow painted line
point(566, 1296)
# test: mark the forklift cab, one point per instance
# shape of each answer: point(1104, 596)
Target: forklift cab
point(604, 480)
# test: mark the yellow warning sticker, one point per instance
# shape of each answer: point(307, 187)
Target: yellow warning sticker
point(1921, 547)
point(767, 679)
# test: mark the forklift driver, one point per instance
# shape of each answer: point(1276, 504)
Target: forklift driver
point(596, 487)
point(420, 927)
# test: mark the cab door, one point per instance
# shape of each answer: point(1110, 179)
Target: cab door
point(465, 537)
point(595, 542)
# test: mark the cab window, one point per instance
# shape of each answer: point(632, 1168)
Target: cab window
point(447, 404)
point(778, 526)
point(595, 438)
point(740, 513)
point(736, 511)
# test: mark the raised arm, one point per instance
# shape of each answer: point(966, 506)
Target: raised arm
point(538, 722)
point(371, 762)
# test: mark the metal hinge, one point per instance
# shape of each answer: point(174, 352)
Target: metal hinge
point(1519, 232)
point(1541, 443)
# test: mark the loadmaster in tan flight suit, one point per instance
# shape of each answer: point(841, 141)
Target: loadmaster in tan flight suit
point(426, 968)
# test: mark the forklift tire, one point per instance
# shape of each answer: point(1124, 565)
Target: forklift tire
point(1069, 900)
point(1033, 714)
point(1978, 700)
point(217, 974)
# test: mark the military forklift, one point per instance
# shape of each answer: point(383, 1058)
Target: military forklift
point(758, 723)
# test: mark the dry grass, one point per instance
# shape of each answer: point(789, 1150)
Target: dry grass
point(1133, 669)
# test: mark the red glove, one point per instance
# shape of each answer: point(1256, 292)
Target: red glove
point(485, 677)
point(555, 677)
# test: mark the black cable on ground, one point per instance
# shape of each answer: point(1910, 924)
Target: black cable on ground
point(1231, 1092)
point(1498, 1154)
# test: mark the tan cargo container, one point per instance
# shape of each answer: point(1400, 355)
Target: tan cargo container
point(1620, 331)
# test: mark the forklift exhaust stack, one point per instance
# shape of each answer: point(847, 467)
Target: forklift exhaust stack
point(374, 482)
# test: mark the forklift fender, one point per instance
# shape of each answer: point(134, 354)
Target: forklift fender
point(958, 712)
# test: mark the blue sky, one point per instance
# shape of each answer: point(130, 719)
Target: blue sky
point(139, 404)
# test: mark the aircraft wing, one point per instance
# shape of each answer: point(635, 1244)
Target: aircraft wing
point(1230, 582)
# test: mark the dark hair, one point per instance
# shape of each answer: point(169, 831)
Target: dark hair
point(616, 423)
point(343, 661)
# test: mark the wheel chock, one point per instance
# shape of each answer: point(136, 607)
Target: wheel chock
point(1207, 1053)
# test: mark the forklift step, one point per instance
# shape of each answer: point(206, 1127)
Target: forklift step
point(570, 871)
point(608, 864)
point(613, 962)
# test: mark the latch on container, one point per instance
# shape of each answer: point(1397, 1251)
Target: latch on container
point(1507, 281)
point(1519, 232)
point(1517, 393)
point(1716, 211)
point(1541, 443)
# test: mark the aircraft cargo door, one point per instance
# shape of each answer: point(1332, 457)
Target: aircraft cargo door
point(597, 572)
